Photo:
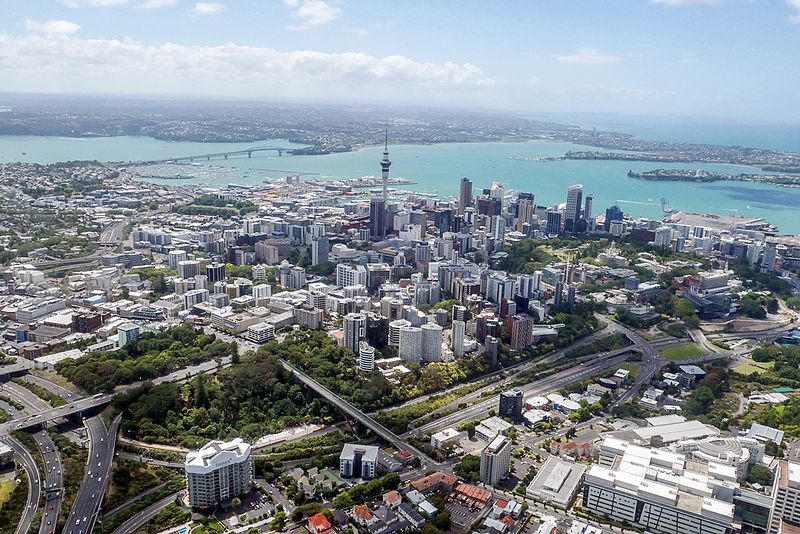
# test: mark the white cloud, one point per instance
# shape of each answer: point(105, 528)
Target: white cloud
point(591, 56)
point(208, 8)
point(157, 4)
point(71, 63)
point(52, 27)
point(795, 17)
point(681, 3)
point(311, 13)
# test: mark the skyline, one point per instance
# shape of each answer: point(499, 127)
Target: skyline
point(696, 62)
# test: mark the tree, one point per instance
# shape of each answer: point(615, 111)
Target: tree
point(468, 468)
point(760, 474)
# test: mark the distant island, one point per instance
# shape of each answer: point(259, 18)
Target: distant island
point(696, 175)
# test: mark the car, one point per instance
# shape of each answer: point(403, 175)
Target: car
point(77, 521)
point(98, 464)
point(85, 519)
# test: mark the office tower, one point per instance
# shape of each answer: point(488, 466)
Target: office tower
point(176, 255)
point(188, 268)
point(571, 296)
point(127, 333)
point(431, 342)
point(465, 195)
point(364, 234)
point(612, 214)
point(458, 332)
point(377, 218)
point(495, 459)
point(366, 357)
point(218, 472)
point(511, 403)
point(355, 330)
point(422, 253)
point(460, 313)
point(215, 272)
point(770, 256)
point(319, 250)
point(573, 210)
point(525, 285)
point(553, 222)
point(587, 207)
point(525, 209)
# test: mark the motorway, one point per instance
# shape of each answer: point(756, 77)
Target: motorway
point(86, 508)
point(135, 523)
point(34, 488)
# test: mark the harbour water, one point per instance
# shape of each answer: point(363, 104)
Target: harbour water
point(438, 168)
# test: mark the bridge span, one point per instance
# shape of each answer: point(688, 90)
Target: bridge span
point(217, 155)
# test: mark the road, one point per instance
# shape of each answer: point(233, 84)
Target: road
point(53, 479)
point(539, 387)
point(134, 523)
point(117, 509)
point(86, 508)
point(25, 458)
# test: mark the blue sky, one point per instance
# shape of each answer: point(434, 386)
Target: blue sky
point(699, 58)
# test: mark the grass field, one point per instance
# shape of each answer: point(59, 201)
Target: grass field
point(6, 487)
point(753, 367)
point(632, 368)
point(684, 351)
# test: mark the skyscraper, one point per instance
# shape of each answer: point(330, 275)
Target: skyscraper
point(553, 222)
point(465, 195)
point(573, 210)
point(355, 330)
point(319, 250)
point(457, 341)
point(525, 209)
point(612, 214)
point(377, 218)
point(587, 207)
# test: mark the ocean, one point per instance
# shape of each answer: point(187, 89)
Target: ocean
point(438, 169)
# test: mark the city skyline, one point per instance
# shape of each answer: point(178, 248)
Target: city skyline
point(610, 59)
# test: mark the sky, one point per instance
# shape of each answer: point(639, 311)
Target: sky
point(733, 59)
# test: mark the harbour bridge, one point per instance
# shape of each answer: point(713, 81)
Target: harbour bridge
point(220, 155)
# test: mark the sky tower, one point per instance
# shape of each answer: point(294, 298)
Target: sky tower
point(385, 163)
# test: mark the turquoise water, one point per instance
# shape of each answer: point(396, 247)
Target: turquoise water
point(438, 168)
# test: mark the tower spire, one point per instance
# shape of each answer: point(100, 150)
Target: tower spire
point(385, 163)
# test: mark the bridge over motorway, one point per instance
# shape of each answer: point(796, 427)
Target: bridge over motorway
point(357, 414)
point(216, 155)
point(43, 417)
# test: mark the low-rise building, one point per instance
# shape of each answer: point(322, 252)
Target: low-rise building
point(557, 482)
point(358, 461)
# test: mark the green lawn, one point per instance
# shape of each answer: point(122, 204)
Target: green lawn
point(684, 351)
point(632, 368)
point(749, 368)
point(6, 487)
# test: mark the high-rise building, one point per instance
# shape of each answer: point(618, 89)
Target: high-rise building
point(491, 346)
point(498, 231)
point(126, 333)
point(787, 496)
point(558, 293)
point(431, 342)
point(176, 255)
point(358, 461)
point(188, 268)
point(351, 275)
point(495, 460)
point(215, 272)
point(458, 333)
point(525, 209)
point(410, 344)
point(385, 164)
point(663, 237)
point(587, 207)
point(355, 330)
point(511, 403)
point(465, 195)
point(521, 330)
point(377, 218)
point(612, 214)
point(553, 222)
point(366, 357)
point(218, 472)
point(572, 212)
point(319, 250)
